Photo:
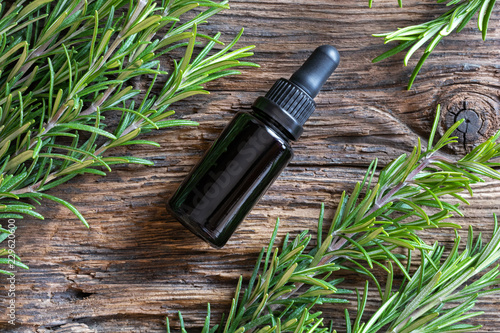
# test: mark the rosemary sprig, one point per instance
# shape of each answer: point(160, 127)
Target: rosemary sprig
point(67, 64)
point(432, 32)
point(409, 196)
point(440, 293)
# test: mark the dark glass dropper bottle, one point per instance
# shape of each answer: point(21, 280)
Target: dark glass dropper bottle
point(250, 153)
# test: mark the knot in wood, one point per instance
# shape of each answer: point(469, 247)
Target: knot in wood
point(480, 118)
point(470, 126)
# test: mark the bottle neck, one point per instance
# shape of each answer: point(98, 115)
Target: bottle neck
point(271, 113)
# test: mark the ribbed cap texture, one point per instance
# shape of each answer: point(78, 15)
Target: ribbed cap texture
point(292, 99)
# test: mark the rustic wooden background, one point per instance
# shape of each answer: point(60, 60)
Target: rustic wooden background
point(136, 265)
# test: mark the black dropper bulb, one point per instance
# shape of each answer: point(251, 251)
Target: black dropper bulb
point(289, 103)
point(316, 69)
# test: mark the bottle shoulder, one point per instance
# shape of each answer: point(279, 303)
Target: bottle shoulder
point(262, 125)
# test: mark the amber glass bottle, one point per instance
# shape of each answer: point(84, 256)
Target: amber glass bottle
point(250, 153)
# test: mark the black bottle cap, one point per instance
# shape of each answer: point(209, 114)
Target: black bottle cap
point(289, 103)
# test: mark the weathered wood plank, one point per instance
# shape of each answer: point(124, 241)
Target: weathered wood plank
point(136, 264)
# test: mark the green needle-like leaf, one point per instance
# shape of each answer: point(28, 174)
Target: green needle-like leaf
point(430, 33)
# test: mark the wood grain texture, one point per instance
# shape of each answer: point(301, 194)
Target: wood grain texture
point(136, 264)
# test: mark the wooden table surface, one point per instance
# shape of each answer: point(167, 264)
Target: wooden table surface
point(136, 264)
